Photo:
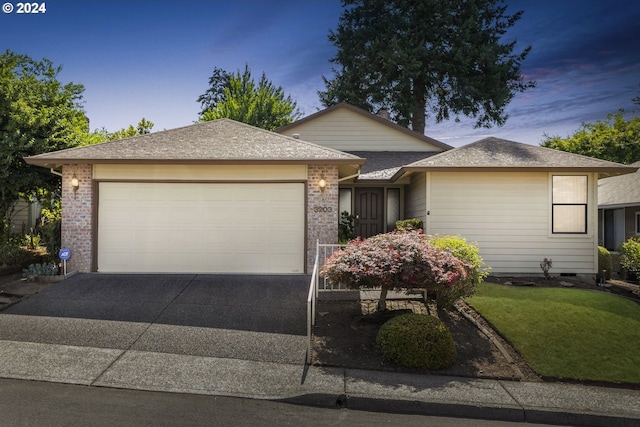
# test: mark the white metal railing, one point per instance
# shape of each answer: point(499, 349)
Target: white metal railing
point(324, 251)
point(311, 304)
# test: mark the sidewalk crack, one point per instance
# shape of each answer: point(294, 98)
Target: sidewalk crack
point(144, 331)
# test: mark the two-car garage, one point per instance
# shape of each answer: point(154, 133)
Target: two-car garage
point(212, 197)
point(201, 227)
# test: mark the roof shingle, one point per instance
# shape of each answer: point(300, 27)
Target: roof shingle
point(219, 140)
point(496, 153)
point(620, 190)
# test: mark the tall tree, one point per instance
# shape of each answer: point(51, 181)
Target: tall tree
point(614, 138)
point(143, 127)
point(218, 81)
point(38, 114)
point(238, 97)
point(417, 58)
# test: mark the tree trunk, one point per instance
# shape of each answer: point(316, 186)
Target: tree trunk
point(382, 302)
point(419, 105)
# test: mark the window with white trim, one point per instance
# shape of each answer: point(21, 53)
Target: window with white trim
point(569, 204)
point(637, 223)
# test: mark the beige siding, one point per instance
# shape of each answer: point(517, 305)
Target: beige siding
point(509, 216)
point(24, 216)
point(346, 130)
point(201, 172)
point(416, 197)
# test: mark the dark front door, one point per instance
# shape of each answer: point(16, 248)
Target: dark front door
point(369, 211)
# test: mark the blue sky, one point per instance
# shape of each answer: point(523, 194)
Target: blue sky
point(153, 59)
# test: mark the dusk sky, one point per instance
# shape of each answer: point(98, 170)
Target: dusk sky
point(153, 59)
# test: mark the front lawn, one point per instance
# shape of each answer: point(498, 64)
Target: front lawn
point(566, 333)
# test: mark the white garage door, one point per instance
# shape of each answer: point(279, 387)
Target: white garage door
point(200, 227)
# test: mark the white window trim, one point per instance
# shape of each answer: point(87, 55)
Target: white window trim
point(591, 207)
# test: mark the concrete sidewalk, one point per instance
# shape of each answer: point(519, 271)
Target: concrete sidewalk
point(329, 387)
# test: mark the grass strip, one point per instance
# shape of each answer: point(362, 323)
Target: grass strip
point(567, 333)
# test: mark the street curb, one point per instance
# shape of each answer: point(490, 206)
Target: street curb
point(438, 409)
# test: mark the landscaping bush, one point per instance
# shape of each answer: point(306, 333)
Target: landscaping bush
point(630, 257)
point(37, 270)
point(411, 224)
point(417, 341)
point(394, 261)
point(605, 265)
point(50, 228)
point(346, 227)
point(476, 273)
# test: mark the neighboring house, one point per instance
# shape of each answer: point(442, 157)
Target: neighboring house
point(223, 196)
point(23, 217)
point(618, 209)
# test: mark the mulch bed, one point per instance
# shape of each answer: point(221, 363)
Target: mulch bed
point(345, 334)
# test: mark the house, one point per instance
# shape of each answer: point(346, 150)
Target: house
point(618, 209)
point(223, 196)
point(520, 203)
point(23, 216)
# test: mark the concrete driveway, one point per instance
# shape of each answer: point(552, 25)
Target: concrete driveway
point(252, 317)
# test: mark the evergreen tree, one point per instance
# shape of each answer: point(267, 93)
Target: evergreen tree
point(417, 58)
point(238, 97)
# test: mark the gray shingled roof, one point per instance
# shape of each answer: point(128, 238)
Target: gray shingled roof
point(620, 190)
point(221, 140)
point(496, 153)
point(382, 165)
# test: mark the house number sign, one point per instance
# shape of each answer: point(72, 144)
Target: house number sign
point(318, 209)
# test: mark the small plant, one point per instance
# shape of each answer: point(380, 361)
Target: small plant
point(32, 240)
point(630, 255)
point(605, 265)
point(37, 270)
point(345, 227)
point(417, 341)
point(411, 224)
point(545, 266)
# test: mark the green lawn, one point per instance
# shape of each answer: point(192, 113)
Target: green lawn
point(568, 333)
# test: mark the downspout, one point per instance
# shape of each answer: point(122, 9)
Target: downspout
point(55, 172)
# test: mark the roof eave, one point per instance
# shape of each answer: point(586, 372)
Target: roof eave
point(607, 171)
point(55, 163)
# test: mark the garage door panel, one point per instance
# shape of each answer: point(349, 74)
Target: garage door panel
point(176, 227)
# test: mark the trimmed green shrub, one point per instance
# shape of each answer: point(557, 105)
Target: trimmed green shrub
point(630, 254)
point(411, 224)
point(417, 341)
point(470, 255)
point(604, 264)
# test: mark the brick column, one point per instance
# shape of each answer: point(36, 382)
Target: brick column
point(322, 209)
point(77, 216)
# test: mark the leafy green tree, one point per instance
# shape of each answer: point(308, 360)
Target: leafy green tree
point(38, 114)
point(416, 58)
point(263, 104)
point(143, 127)
point(615, 139)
